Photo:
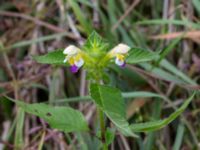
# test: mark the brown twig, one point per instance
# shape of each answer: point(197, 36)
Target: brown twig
point(37, 22)
point(189, 34)
point(135, 3)
point(187, 86)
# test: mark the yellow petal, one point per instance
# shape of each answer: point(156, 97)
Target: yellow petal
point(71, 61)
point(120, 57)
point(77, 57)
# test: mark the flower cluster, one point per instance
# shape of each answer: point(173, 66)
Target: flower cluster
point(74, 56)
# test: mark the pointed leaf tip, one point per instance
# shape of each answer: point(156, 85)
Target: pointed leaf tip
point(56, 57)
point(156, 125)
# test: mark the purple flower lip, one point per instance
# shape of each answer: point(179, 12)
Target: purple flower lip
point(123, 65)
point(74, 69)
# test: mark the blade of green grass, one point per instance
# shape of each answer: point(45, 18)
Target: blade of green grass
point(196, 4)
point(151, 137)
point(34, 41)
point(85, 22)
point(166, 21)
point(168, 66)
point(42, 141)
point(179, 137)
point(168, 49)
point(156, 125)
point(125, 95)
point(86, 2)
point(162, 73)
point(19, 129)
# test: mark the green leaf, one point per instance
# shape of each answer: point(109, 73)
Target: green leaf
point(155, 125)
point(179, 137)
point(169, 48)
point(111, 102)
point(55, 57)
point(196, 4)
point(19, 137)
point(38, 40)
point(161, 73)
point(138, 55)
point(110, 136)
point(80, 16)
point(125, 95)
point(176, 72)
point(185, 23)
point(95, 43)
point(62, 118)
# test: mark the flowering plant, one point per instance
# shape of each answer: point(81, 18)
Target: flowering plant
point(75, 57)
point(96, 56)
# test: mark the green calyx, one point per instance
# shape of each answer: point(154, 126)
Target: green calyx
point(95, 56)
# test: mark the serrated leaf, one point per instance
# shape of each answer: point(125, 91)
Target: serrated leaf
point(95, 43)
point(138, 55)
point(111, 102)
point(62, 118)
point(55, 57)
point(156, 125)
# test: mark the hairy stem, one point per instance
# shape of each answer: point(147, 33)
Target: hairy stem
point(102, 122)
point(103, 129)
